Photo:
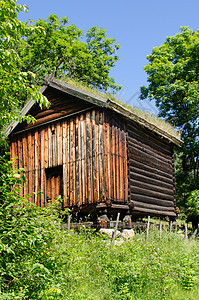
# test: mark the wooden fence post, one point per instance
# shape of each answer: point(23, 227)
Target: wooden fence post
point(170, 229)
point(68, 224)
point(186, 235)
point(160, 228)
point(147, 230)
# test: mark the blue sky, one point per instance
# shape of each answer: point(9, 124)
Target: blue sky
point(137, 26)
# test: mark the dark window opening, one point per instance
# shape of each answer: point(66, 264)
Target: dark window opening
point(54, 183)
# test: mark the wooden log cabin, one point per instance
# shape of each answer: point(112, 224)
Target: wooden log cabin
point(98, 155)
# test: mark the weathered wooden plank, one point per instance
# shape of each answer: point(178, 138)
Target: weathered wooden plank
point(64, 146)
point(97, 156)
point(25, 162)
point(58, 145)
point(113, 163)
point(121, 166)
point(68, 162)
point(33, 165)
point(126, 168)
point(93, 158)
point(82, 133)
point(77, 185)
point(36, 167)
point(88, 155)
point(85, 165)
point(49, 147)
point(117, 177)
point(29, 162)
point(42, 154)
point(71, 150)
point(80, 163)
point(54, 145)
point(74, 165)
point(101, 156)
point(106, 157)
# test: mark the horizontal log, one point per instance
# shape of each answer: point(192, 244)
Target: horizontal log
point(113, 206)
point(168, 177)
point(150, 151)
point(152, 206)
point(152, 200)
point(46, 119)
point(44, 113)
point(151, 158)
point(135, 127)
point(151, 163)
point(149, 140)
point(155, 212)
point(142, 191)
point(146, 178)
point(136, 183)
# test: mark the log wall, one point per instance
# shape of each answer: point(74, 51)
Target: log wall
point(151, 172)
point(90, 151)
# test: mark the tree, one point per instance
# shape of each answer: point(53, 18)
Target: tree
point(26, 231)
point(60, 48)
point(14, 83)
point(173, 76)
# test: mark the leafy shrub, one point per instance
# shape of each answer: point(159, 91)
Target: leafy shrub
point(26, 233)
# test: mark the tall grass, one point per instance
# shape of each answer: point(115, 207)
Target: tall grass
point(89, 267)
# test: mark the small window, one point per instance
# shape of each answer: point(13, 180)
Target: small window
point(54, 183)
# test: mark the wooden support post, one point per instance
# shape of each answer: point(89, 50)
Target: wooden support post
point(115, 230)
point(127, 220)
point(103, 219)
point(68, 223)
point(160, 228)
point(147, 230)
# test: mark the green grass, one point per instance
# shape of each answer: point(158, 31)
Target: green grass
point(89, 267)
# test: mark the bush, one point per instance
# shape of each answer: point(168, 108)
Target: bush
point(26, 233)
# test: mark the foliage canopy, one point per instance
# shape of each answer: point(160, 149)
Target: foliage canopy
point(14, 83)
point(60, 48)
point(173, 76)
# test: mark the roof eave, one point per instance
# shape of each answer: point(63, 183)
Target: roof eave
point(76, 92)
point(145, 123)
point(25, 110)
